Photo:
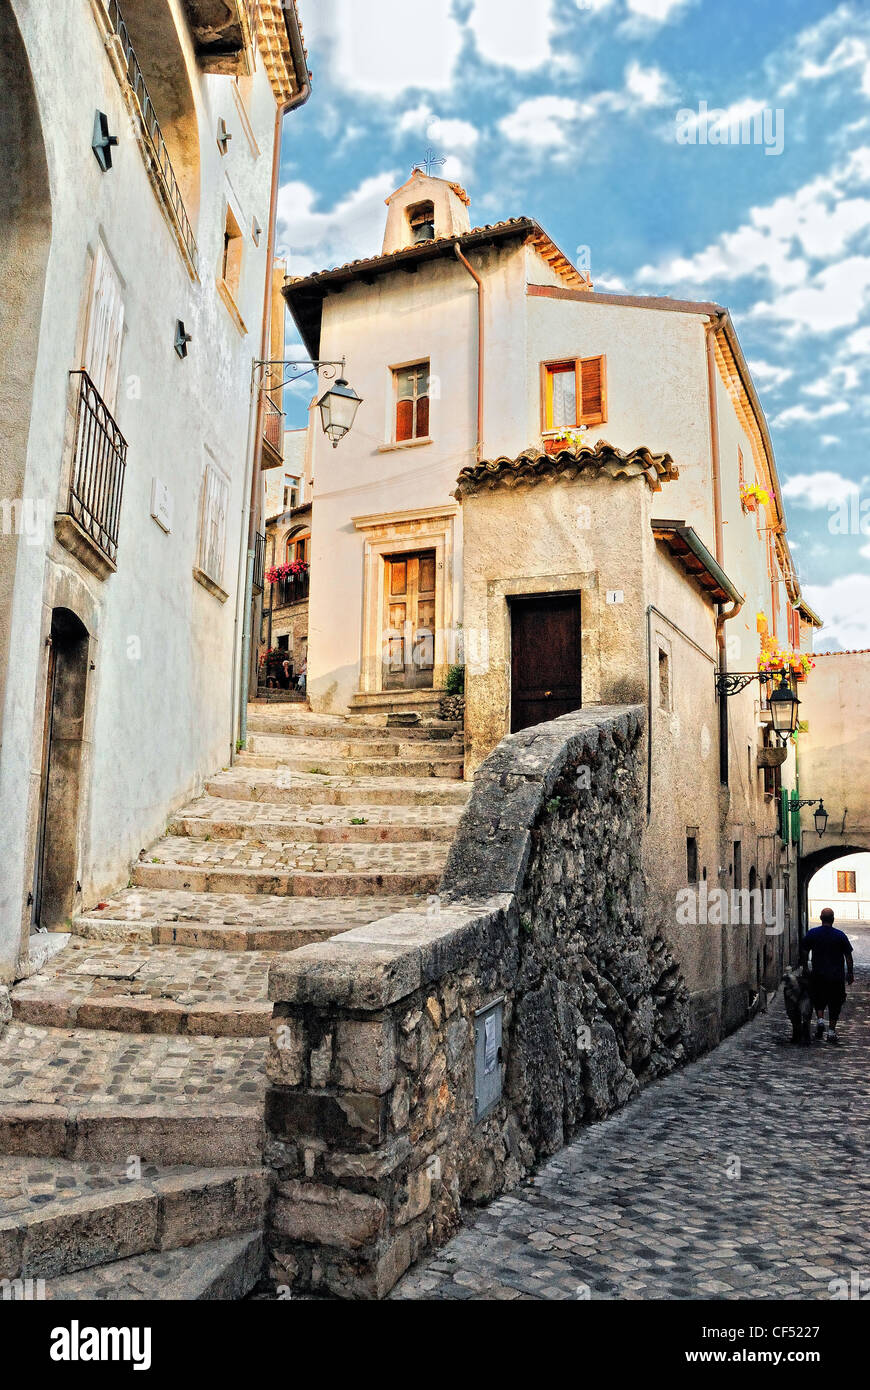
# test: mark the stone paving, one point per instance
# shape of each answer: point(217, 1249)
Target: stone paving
point(746, 1175)
point(43, 1066)
point(422, 856)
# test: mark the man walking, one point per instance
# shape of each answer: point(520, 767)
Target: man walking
point(831, 951)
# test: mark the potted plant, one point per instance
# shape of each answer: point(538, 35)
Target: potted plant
point(753, 496)
point(566, 439)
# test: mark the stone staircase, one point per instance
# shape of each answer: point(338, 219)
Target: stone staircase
point(132, 1074)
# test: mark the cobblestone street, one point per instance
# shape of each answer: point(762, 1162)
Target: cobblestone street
point(643, 1206)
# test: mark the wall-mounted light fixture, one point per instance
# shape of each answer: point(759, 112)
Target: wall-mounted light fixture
point(339, 402)
point(182, 338)
point(102, 143)
point(224, 136)
point(256, 231)
point(820, 815)
point(783, 701)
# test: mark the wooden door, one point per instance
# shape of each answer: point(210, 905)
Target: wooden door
point(545, 658)
point(409, 600)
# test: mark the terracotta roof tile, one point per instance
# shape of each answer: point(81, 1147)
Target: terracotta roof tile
point(532, 466)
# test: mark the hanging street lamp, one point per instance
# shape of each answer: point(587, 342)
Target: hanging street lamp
point(338, 407)
point(783, 704)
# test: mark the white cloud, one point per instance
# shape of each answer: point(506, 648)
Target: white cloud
point(845, 606)
point(804, 414)
point(828, 441)
point(386, 47)
point(513, 33)
point(656, 11)
point(839, 378)
point(816, 222)
point(314, 240)
point(818, 490)
point(769, 375)
point(541, 122)
point(839, 43)
point(835, 298)
point(649, 86)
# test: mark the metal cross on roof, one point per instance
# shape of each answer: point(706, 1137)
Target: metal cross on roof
point(430, 161)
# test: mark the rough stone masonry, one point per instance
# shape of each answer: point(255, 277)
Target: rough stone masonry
point(370, 1109)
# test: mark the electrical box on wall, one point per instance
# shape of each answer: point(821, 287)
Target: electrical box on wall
point(488, 1060)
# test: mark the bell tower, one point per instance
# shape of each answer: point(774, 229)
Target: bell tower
point(425, 209)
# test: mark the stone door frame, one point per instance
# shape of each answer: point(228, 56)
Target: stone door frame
point(392, 533)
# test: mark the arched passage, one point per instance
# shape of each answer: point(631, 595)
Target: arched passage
point(25, 217)
point(809, 865)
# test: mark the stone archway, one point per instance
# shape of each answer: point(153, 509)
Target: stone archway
point(808, 867)
point(25, 217)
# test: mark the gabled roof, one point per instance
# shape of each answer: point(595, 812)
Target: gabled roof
point(305, 294)
point(532, 466)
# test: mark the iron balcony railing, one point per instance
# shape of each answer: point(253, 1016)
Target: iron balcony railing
point(99, 461)
point(273, 425)
point(292, 589)
point(152, 129)
point(259, 561)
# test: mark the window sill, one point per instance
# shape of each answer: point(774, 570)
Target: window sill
point(214, 588)
point(226, 295)
point(405, 444)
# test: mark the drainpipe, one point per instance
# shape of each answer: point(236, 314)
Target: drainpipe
point(724, 614)
point(303, 92)
point(480, 346)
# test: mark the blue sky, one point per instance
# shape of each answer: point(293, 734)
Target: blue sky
point(567, 111)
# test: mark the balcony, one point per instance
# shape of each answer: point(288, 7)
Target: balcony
point(259, 562)
point(156, 154)
point(98, 459)
point(222, 34)
point(293, 589)
point(273, 434)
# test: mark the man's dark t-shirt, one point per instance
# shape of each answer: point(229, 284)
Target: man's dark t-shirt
point(830, 947)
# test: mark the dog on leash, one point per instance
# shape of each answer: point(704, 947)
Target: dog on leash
point(798, 1004)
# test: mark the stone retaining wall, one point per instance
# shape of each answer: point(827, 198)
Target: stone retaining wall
point(370, 1109)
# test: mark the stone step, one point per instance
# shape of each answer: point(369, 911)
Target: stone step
point(58, 1216)
point(97, 1096)
point(283, 883)
point(375, 707)
point(230, 921)
point(140, 988)
point(224, 819)
point(218, 1270)
point(316, 764)
point(282, 786)
point(326, 727)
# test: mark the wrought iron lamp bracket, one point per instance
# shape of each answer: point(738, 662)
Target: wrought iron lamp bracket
point(732, 682)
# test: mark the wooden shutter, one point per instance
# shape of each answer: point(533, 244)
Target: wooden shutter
point(213, 523)
point(422, 417)
point(593, 398)
point(102, 355)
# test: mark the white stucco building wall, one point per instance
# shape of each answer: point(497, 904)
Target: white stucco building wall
point(159, 713)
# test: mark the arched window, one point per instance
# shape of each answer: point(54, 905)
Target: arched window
point(298, 546)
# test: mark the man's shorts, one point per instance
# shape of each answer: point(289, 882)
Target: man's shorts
point(826, 993)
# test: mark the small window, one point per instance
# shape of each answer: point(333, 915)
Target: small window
point(846, 881)
point(284, 642)
point(692, 858)
point(291, 491)
point(231, 257)
point(574, 393)
point(738, 864)
point(412, 402)
point(664, 680)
